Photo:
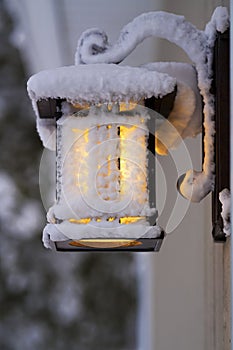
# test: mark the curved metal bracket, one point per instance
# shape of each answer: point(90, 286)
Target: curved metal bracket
point(93, 47)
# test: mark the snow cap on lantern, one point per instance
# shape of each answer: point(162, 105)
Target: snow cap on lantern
point(93, 84)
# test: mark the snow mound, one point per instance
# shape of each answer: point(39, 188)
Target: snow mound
point(99, 83)
point(67, 230)
point(93, 84)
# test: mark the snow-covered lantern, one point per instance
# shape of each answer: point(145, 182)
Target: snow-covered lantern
point(93, 114)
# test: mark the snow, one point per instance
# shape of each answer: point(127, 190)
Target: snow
point(93, 46)
point(194, 185)
point(219, 22)
point(99, 83)
point(67, 230)
point(93, 84)
point(46, 129)
point(225, 199)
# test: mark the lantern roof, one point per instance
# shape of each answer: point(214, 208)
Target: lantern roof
point(99, 83)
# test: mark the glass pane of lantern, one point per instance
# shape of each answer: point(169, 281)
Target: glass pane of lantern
point(106, 177)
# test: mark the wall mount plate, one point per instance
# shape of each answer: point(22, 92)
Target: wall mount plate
point(221, 88)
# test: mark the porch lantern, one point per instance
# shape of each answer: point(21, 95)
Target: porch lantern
point(105, 148)
point(93, 114)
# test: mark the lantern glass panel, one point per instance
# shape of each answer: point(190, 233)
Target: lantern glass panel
point(103, 182)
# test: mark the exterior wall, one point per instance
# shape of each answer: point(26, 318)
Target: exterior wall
point(189, 280)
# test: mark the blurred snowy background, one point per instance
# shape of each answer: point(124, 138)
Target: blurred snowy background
point(48, 300)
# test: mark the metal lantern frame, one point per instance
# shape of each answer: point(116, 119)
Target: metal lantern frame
point(52, 109)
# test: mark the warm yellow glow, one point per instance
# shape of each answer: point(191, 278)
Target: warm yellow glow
point(127, 106)
point(124, 220)
point(81, 106)
point(77, 130)
point(160, 147)
point(80, 221)
point(118, 169)
point(107, 179)
point(80, 157)
point(111, 219)
point(126, 131)
point(83, 133)
point(105, 243)
point(109, 165)
point(130, 219)
point(129, 168)
point(123, 106)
